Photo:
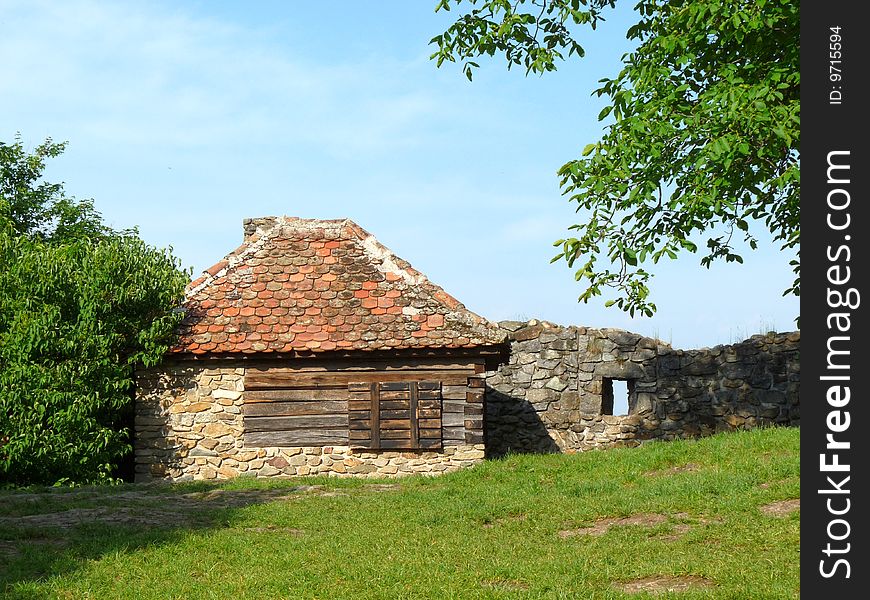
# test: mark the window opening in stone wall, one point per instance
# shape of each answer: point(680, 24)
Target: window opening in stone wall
point(618, 396)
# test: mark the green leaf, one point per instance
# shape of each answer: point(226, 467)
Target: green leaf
point(80, 306)
point(705, 127)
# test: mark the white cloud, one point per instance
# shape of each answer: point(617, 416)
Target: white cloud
point(136, 74)
point(185, 117)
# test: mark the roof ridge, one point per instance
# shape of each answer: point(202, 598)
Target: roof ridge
point(385, 257)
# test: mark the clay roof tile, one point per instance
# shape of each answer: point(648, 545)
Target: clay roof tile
point(297, 275)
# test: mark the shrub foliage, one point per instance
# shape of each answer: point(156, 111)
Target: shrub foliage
point(80, 306)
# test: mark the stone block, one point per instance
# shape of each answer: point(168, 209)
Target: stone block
point(644, 402)
point(538, 395)
point(569, 400)
point(228, 394)
point(556, 384)
point(548, 338)
point(527, 333)
point(227, 472)
point(298, 460)
point(622, 338)
point(217, 430)
point(769, 411)
point(279, 462)
point(643, 354)
point(620, 369)
point(734, 421)
point(511, 325)
point(201, 452)
point(525, 358)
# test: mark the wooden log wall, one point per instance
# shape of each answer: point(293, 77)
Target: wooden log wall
point(329, 403)
point(473, 411)
point(295, 412)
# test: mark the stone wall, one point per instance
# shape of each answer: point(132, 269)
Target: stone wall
point(189, 426)
point(555, 393)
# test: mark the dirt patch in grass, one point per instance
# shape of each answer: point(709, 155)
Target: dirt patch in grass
point(238, 498)
point(660, 584)
point(686, 468)
point(141, 508)
point(9, 548)
point(382, 487)
point(505, 584)
point(110, 516)
point(782, 508)
point(601, 526)
point(273, 529)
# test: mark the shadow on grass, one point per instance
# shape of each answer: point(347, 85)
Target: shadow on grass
point(54, 531)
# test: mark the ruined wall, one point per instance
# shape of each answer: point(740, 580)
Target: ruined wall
point(555, 392)
point(189, 425)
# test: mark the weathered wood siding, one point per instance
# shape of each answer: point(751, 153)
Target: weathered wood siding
point(400, 404)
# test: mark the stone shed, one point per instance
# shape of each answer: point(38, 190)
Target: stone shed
point(313, 349)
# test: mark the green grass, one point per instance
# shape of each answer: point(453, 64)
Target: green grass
point(488, 532)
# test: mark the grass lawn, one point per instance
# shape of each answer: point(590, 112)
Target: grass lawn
point(712, 518)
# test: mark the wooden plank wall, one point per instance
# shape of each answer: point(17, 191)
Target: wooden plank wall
point(309, 403)
point(473, 410)
point(295, 414)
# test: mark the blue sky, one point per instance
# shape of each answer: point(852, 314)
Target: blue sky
point(183, 118)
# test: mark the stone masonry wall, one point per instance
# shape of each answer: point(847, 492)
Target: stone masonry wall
point(189, 426)
point(552, 395)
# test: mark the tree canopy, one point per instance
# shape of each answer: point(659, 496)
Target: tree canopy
point(702, 129)
point(80, 305)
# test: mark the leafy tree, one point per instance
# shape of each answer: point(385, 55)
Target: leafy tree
point(702, 133)
point(80, 306)
point(40, 209)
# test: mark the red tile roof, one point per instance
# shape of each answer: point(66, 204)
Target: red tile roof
point(313, 285)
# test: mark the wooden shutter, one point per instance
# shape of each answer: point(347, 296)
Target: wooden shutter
point(395, 415)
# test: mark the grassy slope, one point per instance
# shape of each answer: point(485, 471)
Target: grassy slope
point(488, 532)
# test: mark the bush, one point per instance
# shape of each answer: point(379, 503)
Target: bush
point(77, 313)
